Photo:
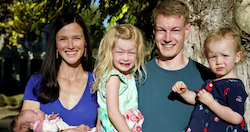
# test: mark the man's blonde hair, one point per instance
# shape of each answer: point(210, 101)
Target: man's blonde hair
point(172, 8)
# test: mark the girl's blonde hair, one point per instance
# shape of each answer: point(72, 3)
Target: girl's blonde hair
point(104, 59)
point(225, 33)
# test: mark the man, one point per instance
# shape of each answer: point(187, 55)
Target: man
point(164, 110)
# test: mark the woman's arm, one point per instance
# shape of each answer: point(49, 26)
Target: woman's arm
point(224, 112)
point(112, 98)
point(29, 104)
point(81, 128)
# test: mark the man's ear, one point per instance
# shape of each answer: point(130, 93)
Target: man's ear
point(187, 30)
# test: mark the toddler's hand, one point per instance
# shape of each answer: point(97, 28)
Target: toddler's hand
point(179, 87)
point(205, 97)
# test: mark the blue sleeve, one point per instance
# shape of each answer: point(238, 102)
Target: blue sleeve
point(236, 97)
point(28, 93)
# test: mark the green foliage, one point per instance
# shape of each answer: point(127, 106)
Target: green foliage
point(21, 16)
point(14, 100)
point(135, 12)
point(96, 29)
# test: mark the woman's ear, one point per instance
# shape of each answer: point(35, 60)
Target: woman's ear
point(153, 28)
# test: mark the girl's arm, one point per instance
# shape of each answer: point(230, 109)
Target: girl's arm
point(181, 88)
point(112, 98)
point(224, 112)
point(29, 104)
point(98, 122)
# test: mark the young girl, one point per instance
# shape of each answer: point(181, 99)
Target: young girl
point(219, 103)
point(120, 57)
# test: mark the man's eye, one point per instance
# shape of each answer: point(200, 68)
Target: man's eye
point(160, 31)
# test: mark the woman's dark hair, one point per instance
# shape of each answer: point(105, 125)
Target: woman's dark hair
point(48, 88)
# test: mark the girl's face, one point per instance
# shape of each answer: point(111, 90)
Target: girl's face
point(222, 57)
point(124, 55)
point(70, 42)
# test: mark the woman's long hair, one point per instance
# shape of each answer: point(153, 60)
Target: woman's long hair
point(47, 89)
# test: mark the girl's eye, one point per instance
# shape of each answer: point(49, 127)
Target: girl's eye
point(62, 39)
point(131, 52)
point(77, 38)
point(225, 55)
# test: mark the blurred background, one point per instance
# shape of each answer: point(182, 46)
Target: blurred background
point(25, 26)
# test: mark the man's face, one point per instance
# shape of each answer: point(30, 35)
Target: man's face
point(170, 33)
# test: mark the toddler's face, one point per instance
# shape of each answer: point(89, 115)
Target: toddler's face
point(222, 57)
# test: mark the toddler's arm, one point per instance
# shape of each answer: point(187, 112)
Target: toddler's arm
point(181, 88)
point(224, 112)
point(112, 98)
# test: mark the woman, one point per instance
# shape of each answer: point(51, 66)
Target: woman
point(63, 83)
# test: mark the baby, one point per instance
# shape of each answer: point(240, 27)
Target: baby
point(37, 121)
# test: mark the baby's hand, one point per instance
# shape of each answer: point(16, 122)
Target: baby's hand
point(179, 87)
point(205, 97)
point(52, 116)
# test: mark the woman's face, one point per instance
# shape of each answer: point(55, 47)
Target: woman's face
point(70, 42)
